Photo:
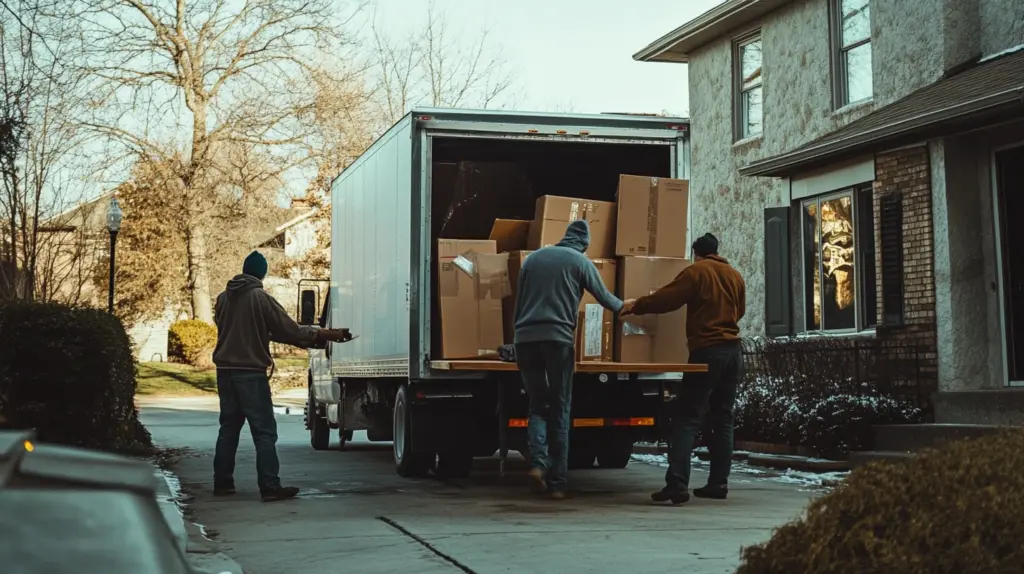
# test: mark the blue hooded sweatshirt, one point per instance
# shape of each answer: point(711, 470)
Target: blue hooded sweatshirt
point(550, 288)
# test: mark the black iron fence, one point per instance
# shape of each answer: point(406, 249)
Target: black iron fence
point(822, 366)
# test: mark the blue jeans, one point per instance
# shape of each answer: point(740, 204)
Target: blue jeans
point(547, 370)
point(715, 391)
point(245, 396)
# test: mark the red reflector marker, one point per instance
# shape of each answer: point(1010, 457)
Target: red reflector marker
point(518, 423)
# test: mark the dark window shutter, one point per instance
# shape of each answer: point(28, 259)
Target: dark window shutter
point(890, 231)
point(778, 320)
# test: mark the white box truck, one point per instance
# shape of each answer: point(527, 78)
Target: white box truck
point(389, 208)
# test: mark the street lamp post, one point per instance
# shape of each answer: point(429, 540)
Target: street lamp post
point(114, 216)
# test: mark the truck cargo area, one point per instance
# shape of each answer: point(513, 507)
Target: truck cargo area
point(477, 180)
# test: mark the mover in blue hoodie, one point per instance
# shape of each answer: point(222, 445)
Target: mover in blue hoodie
point(548, 295)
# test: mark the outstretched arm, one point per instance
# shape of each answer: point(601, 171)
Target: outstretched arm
point(669, 298)
point(593, 283)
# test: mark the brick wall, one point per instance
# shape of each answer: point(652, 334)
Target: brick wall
point(907, 171)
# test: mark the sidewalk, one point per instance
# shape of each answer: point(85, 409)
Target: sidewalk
point(202, 554)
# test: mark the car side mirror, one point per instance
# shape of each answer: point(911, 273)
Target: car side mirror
point(307, 306)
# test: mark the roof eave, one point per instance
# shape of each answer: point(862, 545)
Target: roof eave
point(677, 45)
point(788, 164)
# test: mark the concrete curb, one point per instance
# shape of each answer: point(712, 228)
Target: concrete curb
point(776, 461)
point(202, 554)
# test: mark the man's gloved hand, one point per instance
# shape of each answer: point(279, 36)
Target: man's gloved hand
point(334, 336)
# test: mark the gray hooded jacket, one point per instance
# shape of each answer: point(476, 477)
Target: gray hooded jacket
point(550, 288)
point(248, 319)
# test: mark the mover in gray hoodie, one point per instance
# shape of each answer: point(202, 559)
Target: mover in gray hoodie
point(248, 319)
point(548, 295)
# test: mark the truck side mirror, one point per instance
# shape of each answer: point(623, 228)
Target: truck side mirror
point(307, 313)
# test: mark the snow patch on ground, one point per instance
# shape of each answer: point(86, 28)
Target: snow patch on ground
point(795, 477)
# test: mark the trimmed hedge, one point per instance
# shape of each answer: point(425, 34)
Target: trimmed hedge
point(69, 373)
point(954, 510)
point(191, 342)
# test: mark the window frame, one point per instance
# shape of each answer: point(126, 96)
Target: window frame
point(739, 109)
point(839, 57)
point(854, 192)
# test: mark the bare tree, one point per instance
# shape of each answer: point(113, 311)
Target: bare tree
point(438, 68)
point(44, 97)
point(241, 71)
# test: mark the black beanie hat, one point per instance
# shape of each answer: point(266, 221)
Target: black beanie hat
point(705, 245)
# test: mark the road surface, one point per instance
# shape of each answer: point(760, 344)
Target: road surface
point(357, 515)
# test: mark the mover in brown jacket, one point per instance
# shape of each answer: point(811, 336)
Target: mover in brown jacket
point(715, 297)
point(248, 319)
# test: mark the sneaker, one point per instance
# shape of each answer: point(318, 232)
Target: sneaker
point(279, 493)
point(559, 495)
point(224, 489)
point(537, 482)
point(714, 492)
point(670, 494)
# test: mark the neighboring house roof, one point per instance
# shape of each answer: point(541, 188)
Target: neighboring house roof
point(991, 91)
point(81, 214)
point(677, 45)
point(290, 216)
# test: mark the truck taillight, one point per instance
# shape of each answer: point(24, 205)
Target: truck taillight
point(426, 118)
point(680, 127)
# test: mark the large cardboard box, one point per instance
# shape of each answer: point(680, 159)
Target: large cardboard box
point(515, 263)
point(472, 282)
point(650, 338)
point(594, 326)
point(651, 218)
point(553, 215)
point(510, 234)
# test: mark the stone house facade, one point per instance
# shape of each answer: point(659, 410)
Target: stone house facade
point(874, 151)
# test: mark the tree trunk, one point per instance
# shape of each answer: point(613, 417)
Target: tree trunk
point(199, 278)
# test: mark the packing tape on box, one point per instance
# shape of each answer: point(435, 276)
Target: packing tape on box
point(630, 329)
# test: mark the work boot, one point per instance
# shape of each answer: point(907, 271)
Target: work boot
point(671, 494)
point(279, 493)
point(223, 488)
point(716, 492)
point(537, 482)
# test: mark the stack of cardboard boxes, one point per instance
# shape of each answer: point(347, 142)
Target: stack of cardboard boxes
point(638, 244)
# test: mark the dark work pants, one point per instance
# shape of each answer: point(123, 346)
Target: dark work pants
point(547, 370)
point(714, 391)
point(245, 396)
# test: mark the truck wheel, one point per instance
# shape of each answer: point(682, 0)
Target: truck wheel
point(454, 465)
point(615, 455)
point(407, 463)
point(319, 431)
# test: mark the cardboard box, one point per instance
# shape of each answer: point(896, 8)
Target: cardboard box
point(594, 327)
point(510, 234)
point(651, 218)
point(650, 338)
point(553, 215)
point(472, 282)
point(515, 263)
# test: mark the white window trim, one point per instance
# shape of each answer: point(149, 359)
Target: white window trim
point(858, 329)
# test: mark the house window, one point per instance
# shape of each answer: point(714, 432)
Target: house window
point(851, 37)
point(838, 244)
point(749, 90)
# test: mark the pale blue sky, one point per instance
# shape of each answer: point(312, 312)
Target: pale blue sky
point(572, 54)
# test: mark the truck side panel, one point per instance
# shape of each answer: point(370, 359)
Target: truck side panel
point(370, 226)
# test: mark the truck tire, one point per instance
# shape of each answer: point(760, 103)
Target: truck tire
point(319, 430)
point(454, 465)
point(616, 455)
point(407, 463)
